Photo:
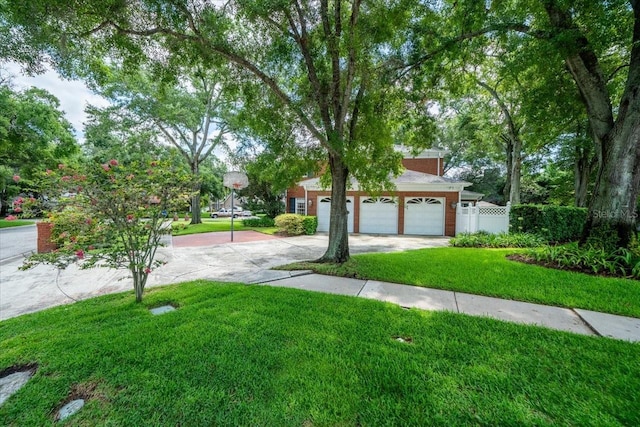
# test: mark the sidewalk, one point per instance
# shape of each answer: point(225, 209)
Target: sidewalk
point(578, 321)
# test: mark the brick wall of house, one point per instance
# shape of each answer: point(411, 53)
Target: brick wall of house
point(294, 192)
point(431, 166)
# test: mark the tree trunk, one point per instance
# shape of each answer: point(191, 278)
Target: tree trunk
point(611, 220)
point(516, 171)
point(196, 217)
point(338, 248)
point(583, 166)
point(139, 282)
point(508, 150)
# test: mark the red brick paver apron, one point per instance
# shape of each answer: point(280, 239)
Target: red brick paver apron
point(219, 238)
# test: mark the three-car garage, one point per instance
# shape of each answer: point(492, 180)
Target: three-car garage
point(421, 204)
point(381, 215)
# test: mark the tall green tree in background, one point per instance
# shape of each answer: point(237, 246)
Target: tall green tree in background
point(188, 113)
point(33, 134)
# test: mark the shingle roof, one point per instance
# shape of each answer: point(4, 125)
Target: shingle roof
point(407, 177)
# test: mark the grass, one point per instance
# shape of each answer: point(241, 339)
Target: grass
point(182, 228)
point(15, 223)
point(489, 272)
point(251, 355)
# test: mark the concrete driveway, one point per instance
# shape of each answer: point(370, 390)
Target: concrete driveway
point(44, 286)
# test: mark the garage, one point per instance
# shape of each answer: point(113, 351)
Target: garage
point(424, 216)
point(324, 213)
point(379, 215)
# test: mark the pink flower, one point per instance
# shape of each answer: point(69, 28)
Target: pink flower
point(105, 166)
point(32, 199)
point(80, 254)
point(65, 178)
point(18, 201)
point(129, 217)
point(61, 166)
point(18, 210)
point(16, 178)
point(147, 270)
point(11, 218)
point(113, 162)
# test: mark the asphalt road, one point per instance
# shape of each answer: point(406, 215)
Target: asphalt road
point(15, 241)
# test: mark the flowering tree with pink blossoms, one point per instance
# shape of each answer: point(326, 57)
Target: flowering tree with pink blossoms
point(112, 215)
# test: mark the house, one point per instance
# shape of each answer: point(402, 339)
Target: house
point(424, 202)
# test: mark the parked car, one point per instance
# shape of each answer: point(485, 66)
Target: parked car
point(227, 213)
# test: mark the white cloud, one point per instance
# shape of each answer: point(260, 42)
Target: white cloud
point(73, 94)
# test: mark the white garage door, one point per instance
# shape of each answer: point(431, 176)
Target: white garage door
point(324, 213)
point(424, 215)
point(379, 216)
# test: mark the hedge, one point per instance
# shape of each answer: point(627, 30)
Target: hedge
point(295, 225)
point(553, 223)
point(310, 224)
point(265, 221)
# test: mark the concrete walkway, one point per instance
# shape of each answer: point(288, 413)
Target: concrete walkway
point(578, 321)
point(251, 262)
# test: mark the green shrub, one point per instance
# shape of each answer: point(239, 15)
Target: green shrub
point(482, 239)
point(310, 224)
point(179, 226)
point(591, 259)
point(291, 224)
point(552, 223)
point(295, 225)
point(264, 221)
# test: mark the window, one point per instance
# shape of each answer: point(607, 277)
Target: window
point(300, 207)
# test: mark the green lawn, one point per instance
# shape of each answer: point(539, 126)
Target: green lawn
point(488, 272)
point(251, 355)
point(15, 223)
point(212, 225)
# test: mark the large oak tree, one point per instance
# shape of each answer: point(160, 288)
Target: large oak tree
point(323, 61)
point(598, 43)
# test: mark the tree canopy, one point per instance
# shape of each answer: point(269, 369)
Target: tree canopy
point(349, 77)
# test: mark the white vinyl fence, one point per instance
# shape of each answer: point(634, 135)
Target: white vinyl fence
point(493, 219)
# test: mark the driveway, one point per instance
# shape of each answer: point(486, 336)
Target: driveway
point(245, 262)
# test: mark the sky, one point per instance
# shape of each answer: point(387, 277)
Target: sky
point(73, 94)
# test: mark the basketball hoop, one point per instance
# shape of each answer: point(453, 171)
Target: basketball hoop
point(235, 180)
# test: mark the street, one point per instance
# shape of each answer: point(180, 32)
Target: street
point(16, 241)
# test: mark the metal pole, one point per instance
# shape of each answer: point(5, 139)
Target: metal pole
point(232, 214)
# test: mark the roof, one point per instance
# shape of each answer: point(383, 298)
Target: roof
point(429, 153)
point(407, 181)
point(471, 195)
